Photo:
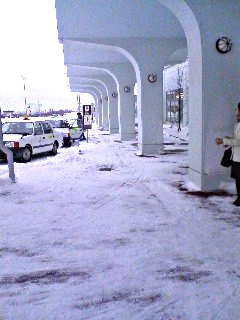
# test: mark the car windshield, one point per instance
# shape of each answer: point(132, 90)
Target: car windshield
point(18, 127)
point(75, 123)
point(72, 121)
point(58, 123)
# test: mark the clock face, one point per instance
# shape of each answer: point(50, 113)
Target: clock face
point(152, 77)
point(223, 45)
point(127, 89)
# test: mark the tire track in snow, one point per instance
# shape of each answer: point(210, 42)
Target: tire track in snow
point(121, 188)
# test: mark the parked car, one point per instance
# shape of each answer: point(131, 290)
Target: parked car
point(27, 137)
point(71, 130)
point(76, 129)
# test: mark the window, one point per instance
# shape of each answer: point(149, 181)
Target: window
point(174, 105)
point(64, 124)
point(73, 123)
point(58, 123)
point(38, 128)
point(27, 128)
point(46, 127)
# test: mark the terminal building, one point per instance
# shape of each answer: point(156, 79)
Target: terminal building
point(174, 52)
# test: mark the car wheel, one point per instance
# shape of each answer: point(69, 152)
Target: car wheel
point(68, 144)
point(26, 155)
point(54, 149)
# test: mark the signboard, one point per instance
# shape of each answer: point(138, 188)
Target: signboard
point(87, 119)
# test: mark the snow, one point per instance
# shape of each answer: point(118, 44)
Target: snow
point(97, 232)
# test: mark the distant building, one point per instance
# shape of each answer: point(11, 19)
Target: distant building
point(8, 113)
point(175, 93)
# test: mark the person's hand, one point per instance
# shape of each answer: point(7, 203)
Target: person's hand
point(219, 140)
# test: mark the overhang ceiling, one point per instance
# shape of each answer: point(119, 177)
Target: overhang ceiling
point(111, 18)
point(80, 20)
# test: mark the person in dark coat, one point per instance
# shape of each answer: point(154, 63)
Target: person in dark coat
point(79, 120)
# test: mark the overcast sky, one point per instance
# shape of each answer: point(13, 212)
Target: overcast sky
point(30, 48)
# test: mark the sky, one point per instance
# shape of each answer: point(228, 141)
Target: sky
point(103, 234)
point(30, 49)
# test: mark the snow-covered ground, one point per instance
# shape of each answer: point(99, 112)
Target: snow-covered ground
point(99, 233)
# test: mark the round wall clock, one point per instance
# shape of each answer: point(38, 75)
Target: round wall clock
point(223, 45)
point(152, 77)
point(127, 89)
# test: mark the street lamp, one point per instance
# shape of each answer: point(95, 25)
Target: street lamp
point(24, 89)
point(79, 102)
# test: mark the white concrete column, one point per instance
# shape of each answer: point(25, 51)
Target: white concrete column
point(102, 88)
point(111, 85)
point(126, 109)
point(112, 102)
point(214, 83)
point(148, 56)
point(149, 97)
point(150, 112)
point(96, 96)
point(124, 75)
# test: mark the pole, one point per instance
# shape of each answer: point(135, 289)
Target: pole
point(179, 82)
point(7, 152)
point(24, 90)
point(79, 102)
point(179, 109)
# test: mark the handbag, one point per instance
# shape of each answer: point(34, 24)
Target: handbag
point(227, 158)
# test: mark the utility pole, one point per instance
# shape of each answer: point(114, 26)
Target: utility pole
point(24, 90)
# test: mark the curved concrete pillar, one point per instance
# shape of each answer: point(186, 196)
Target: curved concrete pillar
point(112, 100)
point(112, 103)
point(103, 89)
point(91, 93)
point(191, 28)
point(126, 77)
point(149, 94)
point(76, 69)
point(96, 96)
point(98, 93)
point(144, 54)
point(98, 108)
point(123, 75)
point(214, 83)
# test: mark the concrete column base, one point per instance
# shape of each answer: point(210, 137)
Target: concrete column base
point(127, 136)
point(114, 130)
point(150, 148)
point(210, 182)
